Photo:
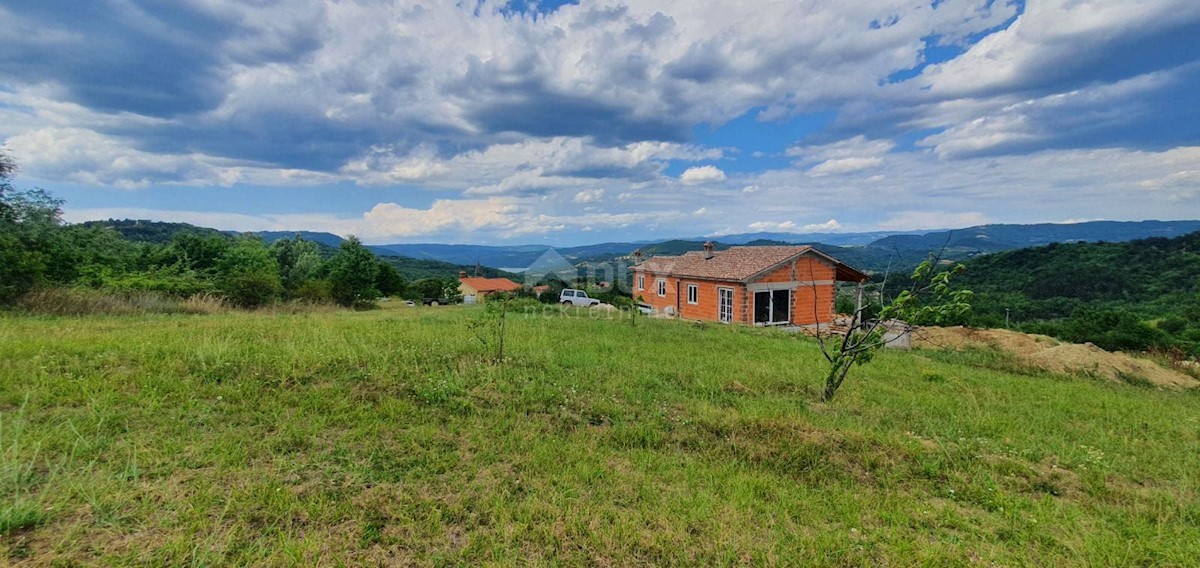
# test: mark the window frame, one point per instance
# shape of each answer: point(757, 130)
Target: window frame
point(662, 287)
point(693, 294)
point(641, 282)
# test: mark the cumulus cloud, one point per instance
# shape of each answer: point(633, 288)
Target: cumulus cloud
point(702, 174)
point(843, 157)
point(500, 118)
point(589, 196)
point(761, 226)
point(830, 225)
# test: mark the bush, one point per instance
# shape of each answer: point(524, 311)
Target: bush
point(251, 289)
point(314, 291)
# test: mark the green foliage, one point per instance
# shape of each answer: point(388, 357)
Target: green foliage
point(152, 232)
point(1109, 329)
point(352, 273)
point(299, 262)
point(930, 299)
point(247, 274)
point(197, 252)
point(29, 241)
point(1104, 293)
point(429, 288)
point(388, 281)
point(317, 291)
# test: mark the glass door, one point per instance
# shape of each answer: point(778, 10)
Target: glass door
point(725, 304)
point(772, 307)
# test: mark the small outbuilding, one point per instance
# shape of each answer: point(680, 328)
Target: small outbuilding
point(753, 285)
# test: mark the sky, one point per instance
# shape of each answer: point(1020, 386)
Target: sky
point(568, 123)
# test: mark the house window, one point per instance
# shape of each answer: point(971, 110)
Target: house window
point(662, 287)
point(693, 294)
point(641, 281)
point(772, 307)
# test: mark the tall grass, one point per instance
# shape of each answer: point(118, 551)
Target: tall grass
point(389, 437)
point(87, 301)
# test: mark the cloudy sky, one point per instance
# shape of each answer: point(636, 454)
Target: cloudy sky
point(483, 122)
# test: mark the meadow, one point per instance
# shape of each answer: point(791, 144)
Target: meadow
point(391, 437)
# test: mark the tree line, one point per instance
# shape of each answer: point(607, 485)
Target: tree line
point(39, 250)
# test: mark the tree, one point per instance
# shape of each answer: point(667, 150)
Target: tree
point(928, 301)
point(388, 281)
point(427, 288)
point(299, 261)
point(29, 225)
point(352, 273)
point(247, 274)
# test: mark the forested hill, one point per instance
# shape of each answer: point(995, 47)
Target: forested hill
point(156, 232)
point(989, 238)
point(164, 233)
point(1065, 289)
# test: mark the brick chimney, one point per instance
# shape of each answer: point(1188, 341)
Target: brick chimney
point(637, 256)
point(708, 250)
point(462, 273)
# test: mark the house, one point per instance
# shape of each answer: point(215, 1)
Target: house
point(758, 285)
point(476, 288)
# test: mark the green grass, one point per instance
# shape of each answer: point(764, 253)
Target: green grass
point(386, 437)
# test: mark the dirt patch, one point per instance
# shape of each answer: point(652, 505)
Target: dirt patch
point(1052, 355)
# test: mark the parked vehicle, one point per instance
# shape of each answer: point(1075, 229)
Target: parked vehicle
point(435, 301)
point(571, 296)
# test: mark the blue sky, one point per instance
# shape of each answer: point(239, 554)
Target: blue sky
point(576, 122)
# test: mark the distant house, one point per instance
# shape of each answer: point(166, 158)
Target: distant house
point(475, 288)
point(767, 285)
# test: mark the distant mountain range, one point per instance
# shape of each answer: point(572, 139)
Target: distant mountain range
point(872, 251)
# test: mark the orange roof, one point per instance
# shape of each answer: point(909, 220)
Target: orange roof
point(739, 263)
point(485, 285)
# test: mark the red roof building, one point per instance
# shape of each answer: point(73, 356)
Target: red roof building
point(769, 285)
point(477, 287)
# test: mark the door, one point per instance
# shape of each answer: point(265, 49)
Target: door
point(725, 304)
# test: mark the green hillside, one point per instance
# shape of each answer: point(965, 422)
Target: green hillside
point(155, 232)
point(384, 437)
point(1146, 290)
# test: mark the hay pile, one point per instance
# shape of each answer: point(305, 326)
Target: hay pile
point(1053, 355)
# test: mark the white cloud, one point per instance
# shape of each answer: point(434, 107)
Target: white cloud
point(1053, 39)
point(792, 227)
point(86, 157)
point(827, 226)
point(843, 157)
point(702, 174)
point(589, 196)
point(765, 226)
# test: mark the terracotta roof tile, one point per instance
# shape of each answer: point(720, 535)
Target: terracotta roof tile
point(484, 285)
point(736, 263)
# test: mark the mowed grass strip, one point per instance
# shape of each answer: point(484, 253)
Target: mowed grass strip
point(387, 437)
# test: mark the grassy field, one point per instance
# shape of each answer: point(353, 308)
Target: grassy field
point(387, 437)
